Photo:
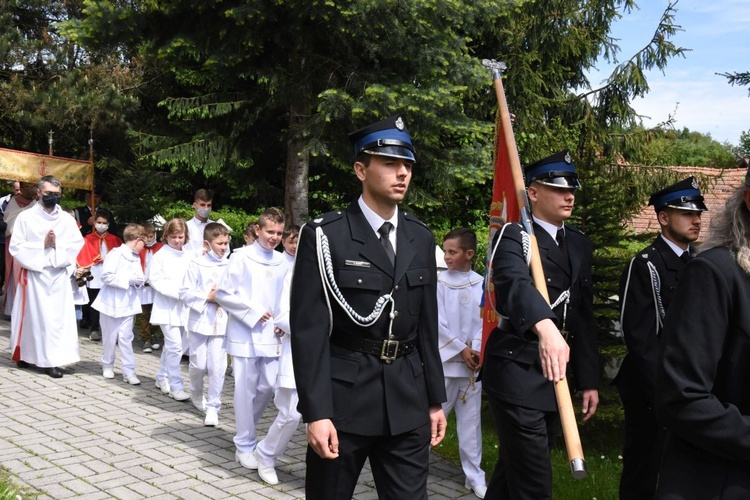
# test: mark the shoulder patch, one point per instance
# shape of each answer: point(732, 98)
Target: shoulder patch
point(408, 216)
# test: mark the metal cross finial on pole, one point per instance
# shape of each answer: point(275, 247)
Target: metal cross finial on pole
point(497, 67)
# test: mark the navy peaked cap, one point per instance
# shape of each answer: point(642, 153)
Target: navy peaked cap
point(683, 195)
point(387, 137)
point(555, 170)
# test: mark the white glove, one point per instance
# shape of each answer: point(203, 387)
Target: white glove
point(137, 281)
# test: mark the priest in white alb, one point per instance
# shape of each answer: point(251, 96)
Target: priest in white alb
point(46, 240)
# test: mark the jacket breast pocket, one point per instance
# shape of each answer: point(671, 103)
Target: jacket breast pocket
point(360, 280)
point(416, 280)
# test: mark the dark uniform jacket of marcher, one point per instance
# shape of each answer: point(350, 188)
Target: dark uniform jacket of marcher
point(703, 382)
point(512, 371)
point(359, 392)
point(640, 326)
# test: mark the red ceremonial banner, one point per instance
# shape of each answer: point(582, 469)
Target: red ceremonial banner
point(504, 208)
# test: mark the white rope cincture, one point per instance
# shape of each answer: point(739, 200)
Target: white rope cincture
point(325, 266)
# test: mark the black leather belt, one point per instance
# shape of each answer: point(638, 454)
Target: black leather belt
point(387, 350)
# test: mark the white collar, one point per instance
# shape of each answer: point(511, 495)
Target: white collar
point(374, 219)
point(676, 249)
point(550, 228)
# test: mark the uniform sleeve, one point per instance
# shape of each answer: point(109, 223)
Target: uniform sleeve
point(428, 333)
point(584, 349)
point(517, 297)
point(640, 321)
point(310, 321)
point(692, 349)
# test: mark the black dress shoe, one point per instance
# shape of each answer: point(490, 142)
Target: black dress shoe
point(54, 372)
point(22, 364)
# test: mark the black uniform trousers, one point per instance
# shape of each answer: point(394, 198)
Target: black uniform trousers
point(526, 437)
point(398, 466)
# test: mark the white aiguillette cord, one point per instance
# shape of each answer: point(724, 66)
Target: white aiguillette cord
point(325, 266)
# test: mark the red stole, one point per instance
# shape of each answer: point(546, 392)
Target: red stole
point(146, 250)
point(91, 253)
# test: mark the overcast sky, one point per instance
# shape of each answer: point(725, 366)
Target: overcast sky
point(717, 33)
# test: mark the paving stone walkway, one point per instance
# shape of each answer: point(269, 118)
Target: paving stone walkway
point(83, 435)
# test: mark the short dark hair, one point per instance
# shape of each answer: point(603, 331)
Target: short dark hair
point(292, 230)
point(213, 230)
point(467, 238)
point(203, 194)
point(104, 212)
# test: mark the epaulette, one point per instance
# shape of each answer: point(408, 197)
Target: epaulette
point(412, 218)
point(327, 218)
point(574, 229)
point(646, 253)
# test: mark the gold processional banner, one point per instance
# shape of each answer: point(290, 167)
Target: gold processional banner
point(29, 167)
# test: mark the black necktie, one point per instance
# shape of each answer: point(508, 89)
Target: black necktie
point(560, 238)
point(384, 231)
point(686, 256)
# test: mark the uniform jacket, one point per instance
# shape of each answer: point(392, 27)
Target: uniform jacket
point(512, 371)
point(641, 324)
point(359, 392)
point(703, 382)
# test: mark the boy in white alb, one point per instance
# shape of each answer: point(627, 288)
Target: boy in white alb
point(289, 242)
point(168, 268)
point(285, 425)
point(118, 302)
point(250, 291)
point(459, 294)
point(207, 322)
point(149, 333)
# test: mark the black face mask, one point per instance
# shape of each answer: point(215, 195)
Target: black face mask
point(50, 200)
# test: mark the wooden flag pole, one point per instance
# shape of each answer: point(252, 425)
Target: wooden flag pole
point(562, 391)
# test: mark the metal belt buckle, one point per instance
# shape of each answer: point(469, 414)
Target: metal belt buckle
point(389, 351)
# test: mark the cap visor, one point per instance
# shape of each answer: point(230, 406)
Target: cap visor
point(393, 151)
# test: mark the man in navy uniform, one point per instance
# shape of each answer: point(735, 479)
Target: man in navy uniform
point(646, 289)
point(533, 342)
point(365, 334)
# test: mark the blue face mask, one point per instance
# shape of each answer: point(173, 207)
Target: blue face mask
point(50, 200)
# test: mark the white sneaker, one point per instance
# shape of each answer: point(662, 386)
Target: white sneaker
point(212, 418)
point(108, 372)
point(266, 473)
point(247, 460)
point(146, 348)
point(179, 395)
point(155, 347)
point(199, 405)
point(131, 379)
point(163, 385)
point(479, 490)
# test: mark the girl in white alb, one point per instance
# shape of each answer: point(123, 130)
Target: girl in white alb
point(165, 276)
